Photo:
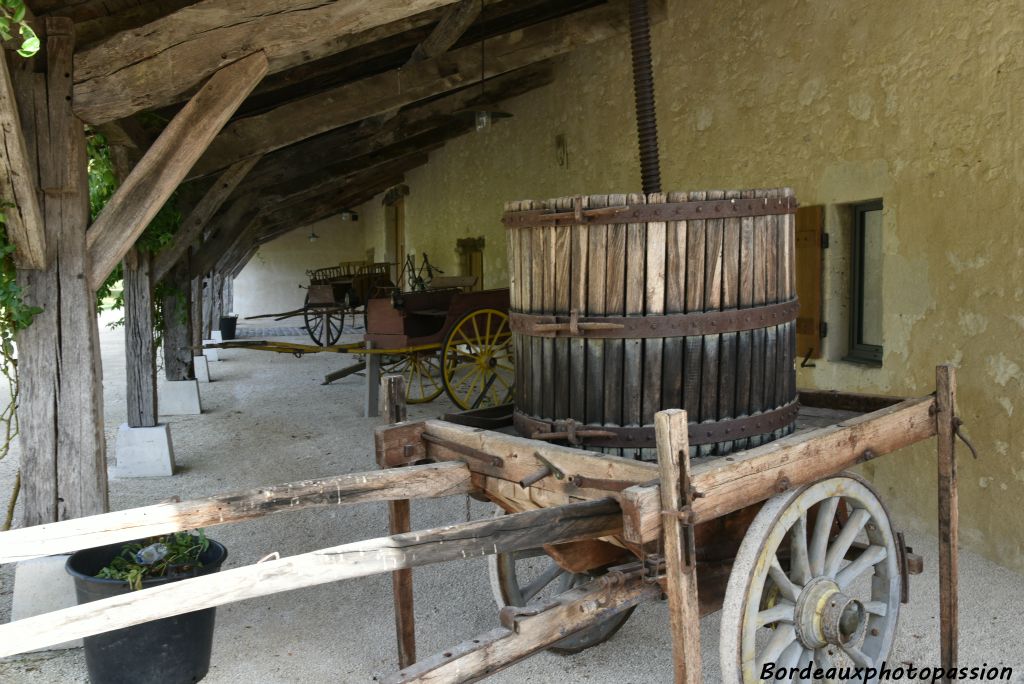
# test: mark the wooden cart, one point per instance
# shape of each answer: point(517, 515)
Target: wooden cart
point(765, 534)
point(439, 340)
point(337, 291)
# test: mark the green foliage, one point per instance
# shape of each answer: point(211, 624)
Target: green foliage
point(183, 551)
point(12, 17)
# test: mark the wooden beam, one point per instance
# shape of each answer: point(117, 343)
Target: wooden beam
point(167, 162)
point(18, 190)
point(529, 630)
point(448, 30)
point(155, 64)
point(356, 101)
point(94, 24)
point(140, 354)
point(757, 474)
point(235, 219)
point(426, 481)
point(474, 539)
point(949, 517)
point(192, 228)
point(680, 553)
point(351, 143)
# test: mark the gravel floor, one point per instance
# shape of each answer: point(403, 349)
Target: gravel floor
point(268, 420)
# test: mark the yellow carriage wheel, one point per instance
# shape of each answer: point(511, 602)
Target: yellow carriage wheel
point(422, 372)
point(479, 367)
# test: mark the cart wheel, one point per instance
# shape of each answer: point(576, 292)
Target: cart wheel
point(422, 372)
point(324, 325)
point(478, 370)
point(793, 597)
point(531, 575)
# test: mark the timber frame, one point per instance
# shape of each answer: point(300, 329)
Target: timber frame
point(626, 502)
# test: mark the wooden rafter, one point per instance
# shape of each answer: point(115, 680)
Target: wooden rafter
point(356, 101)
point(166, 163)
point(192, 227)
point(154, 65)
point(229, 225)
point(18, 188)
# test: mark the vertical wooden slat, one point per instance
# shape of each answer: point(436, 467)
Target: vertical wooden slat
point(393, 408)
point(745, 339)
point(757, 403)
point(787, 371)
point(949, 515)
point(596, 297)
point(695, 255)
point(675, 302)
point(526, 259)
point(771, 296)
point(713, 229)
point(563, 278)
point(578, 302)
point(614, 305)
point(636, 260)
point(654, 296)
point(729, 300)
point(680, 553)
point(547, 259)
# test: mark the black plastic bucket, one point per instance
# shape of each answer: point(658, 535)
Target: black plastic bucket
point(174, 650)
point(228, 325)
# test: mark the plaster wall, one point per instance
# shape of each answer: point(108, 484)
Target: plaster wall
point(270, 281)
point(916, 103)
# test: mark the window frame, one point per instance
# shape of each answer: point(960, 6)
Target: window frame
point(859, 351)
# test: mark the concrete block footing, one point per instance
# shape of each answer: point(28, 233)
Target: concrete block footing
point(143, 452)
point(202, 366)
point(211, 354)
point(179, 398)
point(42, 586)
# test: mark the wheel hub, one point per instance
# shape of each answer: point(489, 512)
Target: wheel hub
point(825, 615)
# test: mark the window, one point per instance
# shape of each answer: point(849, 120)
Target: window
point(866, 284)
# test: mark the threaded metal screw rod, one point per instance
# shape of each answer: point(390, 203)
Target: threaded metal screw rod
point(643, 92)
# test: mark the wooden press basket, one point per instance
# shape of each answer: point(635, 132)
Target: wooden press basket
point(624, 305)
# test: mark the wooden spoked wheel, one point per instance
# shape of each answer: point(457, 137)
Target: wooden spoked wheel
point(812, 587)
point(519, 578)
point(422, 372)
point(478, 361)
point(324, 323)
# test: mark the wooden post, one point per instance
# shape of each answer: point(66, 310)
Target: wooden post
point(680, 555)
point(196, 306)
point(372, 383)
point(140, 356)
point(61, 409)
point(949, 515)
point(392, 405)
point(177, 328)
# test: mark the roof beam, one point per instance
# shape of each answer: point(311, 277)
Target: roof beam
point(364, 98)
point(230, 225)
point(192, 228)
point(157, 64)
point(165, 164)
point(24, 219)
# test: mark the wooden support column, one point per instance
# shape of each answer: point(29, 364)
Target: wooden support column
point(63, 457)
point(393, 407)
point(680, 555)
point(196, 305)
point(216, 299)
point(140, 356)
point(949, 515)
point(177, 328)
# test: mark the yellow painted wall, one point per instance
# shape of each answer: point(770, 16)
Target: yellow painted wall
point(270, 282)
point(915, 102)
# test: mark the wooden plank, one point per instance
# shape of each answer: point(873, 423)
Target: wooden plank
point(759, 338)
point(771, 259)
point(393, 408)
point(192, 228)
point(597, 261)
point(578, 302)
point(140, 354)
point(526, 258)
point(654, 296)
point(680, 554)
point(633, 359)
point(696, 250)
point(24, 220)
point(728, 359)
point(156, 64)
point(614, 305)
point(733, 482)
point(744, 340)
point(846, 401)
point(563, 276)
point(537, 295)
point(479, 538)
point(527, 631)
point(713, 236)
point(167, 162)
point(358, 100)
point(673, 348)
point(422, 481)
point(949, 516)
point(549, 269)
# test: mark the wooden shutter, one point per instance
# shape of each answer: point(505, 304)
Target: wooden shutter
point(810, 228)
